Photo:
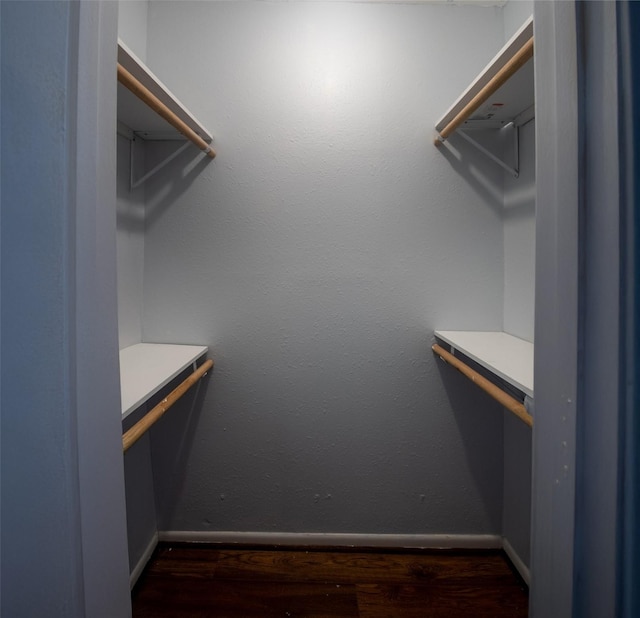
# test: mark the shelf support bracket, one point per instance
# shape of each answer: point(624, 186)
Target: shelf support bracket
point(514, 171)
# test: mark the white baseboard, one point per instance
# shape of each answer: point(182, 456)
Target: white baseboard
point(320, 539)
point(520, 566)
point(146, 556)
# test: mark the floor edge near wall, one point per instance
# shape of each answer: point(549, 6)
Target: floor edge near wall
point(318, 539)
point(517, 562)
point(142, 562)
point(336, 540)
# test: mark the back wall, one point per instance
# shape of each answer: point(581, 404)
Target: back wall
point(315, 256)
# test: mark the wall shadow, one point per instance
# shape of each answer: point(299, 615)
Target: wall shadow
point(166, 187)
point(479, 172)
point(172, 439)
point(480, 423)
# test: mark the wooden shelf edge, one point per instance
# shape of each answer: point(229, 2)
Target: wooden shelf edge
point(515, 53)
point(146, 368)
point(507, 357)
point(138, 69)
point(503, 398)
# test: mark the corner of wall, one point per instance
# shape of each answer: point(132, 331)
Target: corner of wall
point(514, 14)
point(132, 25)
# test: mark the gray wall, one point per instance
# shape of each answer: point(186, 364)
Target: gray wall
point(140, 497)
point(600, 442)
point(63, 519)
point(519, 306)
point(132, 25)
point(514, 14)
point(141, 510)
point(580, 338)
point(316, 256)
point(141, 513)
point(556, 333)
point(516, 509)
point(130, 247)
point(519, 240)
point(38, 462)
point(519, 211)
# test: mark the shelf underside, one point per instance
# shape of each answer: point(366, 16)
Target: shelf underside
point(142, 121)
point(497, 104)
point(513, 102)
point(140, 118)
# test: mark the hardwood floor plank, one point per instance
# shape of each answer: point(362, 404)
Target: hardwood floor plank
point(193, 581)
point(243, 599)
point(427, 601)
point(352, 567)
point(182, 561)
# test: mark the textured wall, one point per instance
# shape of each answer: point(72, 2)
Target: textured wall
point(557, 267)
point(519, 240)
point(130, 250)
point(514, 14)
point(520, 212)
point(40, 510)
point(132, 25)
point(516, 511)
point(315, 256)
point(141, 512)
point(519, 307)
point(62, 492)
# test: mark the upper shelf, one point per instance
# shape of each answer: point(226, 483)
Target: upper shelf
point(150, 109)
point(502, 93)
point(145, 368)
point(506, 356)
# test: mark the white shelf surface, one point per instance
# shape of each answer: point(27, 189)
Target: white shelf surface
point(145, 368)
point(504, 355)
point(140, 118)
point(514, 101)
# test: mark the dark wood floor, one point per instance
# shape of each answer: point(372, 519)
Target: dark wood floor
point(184, 580)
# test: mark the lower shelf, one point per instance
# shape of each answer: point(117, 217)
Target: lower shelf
point(506, 356)
point(145, 368)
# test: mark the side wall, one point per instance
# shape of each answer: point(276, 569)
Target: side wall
point(556, 333)
point(519, 309)
point(130, 247)
point(63, 519)
point(519, 305)
point(599, 467)
point(520, 239)
point(102, 492)
point(141, 511)
point(132, 25)
point(40, 497)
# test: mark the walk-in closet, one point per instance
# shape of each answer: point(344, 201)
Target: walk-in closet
point(316, 260)
point(277, 277)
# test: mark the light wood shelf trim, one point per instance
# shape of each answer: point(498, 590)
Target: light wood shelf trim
point(507, 357)
point(519, 59)
point(506, 400)
point(132, 435)
point(146, 368)
point(137, 68)
point(144, 94)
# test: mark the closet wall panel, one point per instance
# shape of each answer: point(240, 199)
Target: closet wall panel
point(130, 250)
point(519, 305)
